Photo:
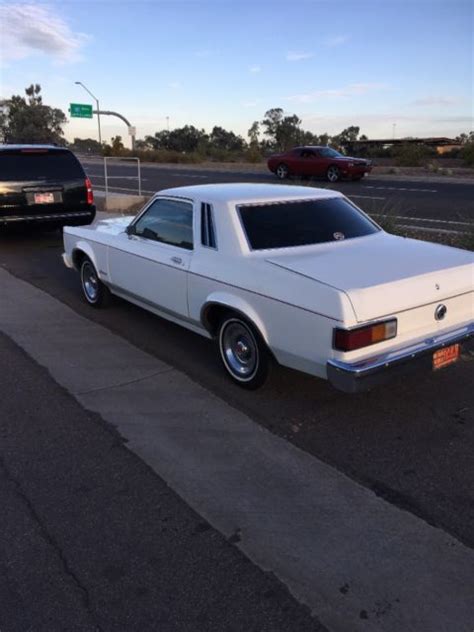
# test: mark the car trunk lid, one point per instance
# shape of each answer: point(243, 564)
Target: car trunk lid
point(383, 275)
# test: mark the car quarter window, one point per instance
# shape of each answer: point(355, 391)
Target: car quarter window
point(169, 222)
point(208, 233)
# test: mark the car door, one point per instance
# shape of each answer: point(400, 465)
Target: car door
point(308, 163)
point(151, 262)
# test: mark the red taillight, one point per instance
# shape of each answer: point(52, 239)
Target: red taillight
point(352, 339)
point(90, 194)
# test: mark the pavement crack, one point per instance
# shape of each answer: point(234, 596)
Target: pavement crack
point(126, 383)
point(50, 540)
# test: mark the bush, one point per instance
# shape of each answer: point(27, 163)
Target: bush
point(412, 155)
point(467, 154)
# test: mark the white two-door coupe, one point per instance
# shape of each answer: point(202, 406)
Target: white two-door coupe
point(296, 274)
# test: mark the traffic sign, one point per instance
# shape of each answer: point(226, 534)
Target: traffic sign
point(80, 110)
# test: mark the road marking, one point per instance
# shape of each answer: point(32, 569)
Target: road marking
point(365, 197)
point(101, 187)
point(309, 524)
point(187, 175)
point(364, 186)
point(424, 219)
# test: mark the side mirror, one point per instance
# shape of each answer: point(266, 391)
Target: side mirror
point(130, 230)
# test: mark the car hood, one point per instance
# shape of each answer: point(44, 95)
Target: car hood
point(384, 274)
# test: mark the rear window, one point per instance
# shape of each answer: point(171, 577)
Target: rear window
point(39, 165)
point(301, 223)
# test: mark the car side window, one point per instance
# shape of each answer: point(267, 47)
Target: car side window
point(169, 222)
point(307, 153)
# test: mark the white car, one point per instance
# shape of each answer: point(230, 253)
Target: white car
point(295, 274)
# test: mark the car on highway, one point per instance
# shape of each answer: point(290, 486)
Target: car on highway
point(294, 274)
point(43, 185)
point(318, 161)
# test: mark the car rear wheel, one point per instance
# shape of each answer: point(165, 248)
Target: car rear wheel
point(243, 352)
point(282, 171)
point(94, 291)
point(333, 174)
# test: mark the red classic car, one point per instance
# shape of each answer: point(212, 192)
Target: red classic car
point(318, 161)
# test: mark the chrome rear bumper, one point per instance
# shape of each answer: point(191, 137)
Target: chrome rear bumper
point(361, 376)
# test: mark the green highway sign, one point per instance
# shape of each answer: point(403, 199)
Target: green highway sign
point(80, 110)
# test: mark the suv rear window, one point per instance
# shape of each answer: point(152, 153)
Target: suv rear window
point(39, 165)
point(301, 223)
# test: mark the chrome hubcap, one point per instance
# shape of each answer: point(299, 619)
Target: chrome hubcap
point(90, 282)
point(282, 172)
point(239, 350)
point(333, 174)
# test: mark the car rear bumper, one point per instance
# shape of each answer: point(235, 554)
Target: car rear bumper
point(75, 218)
point(361, 376)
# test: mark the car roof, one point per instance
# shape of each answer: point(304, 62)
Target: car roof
point(249, 192)
point(18, 147)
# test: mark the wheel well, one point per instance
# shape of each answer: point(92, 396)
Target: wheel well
point(78, 257)
point(213, 314)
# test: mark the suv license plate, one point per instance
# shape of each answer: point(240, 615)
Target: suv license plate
point(446, 356)
point(44, 198)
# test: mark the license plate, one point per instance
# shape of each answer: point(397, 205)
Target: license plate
point(44, 198)
point(446, 356)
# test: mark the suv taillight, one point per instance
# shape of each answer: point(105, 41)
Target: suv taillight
point(352, 339)
point(90, 194)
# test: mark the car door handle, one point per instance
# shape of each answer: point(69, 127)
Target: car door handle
point(177, 260)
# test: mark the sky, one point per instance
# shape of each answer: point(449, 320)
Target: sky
point(393, 67)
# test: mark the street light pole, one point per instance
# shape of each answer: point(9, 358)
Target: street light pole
point(79, 83)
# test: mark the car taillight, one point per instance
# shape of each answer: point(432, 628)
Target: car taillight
point(90, 194)
point(351, 339)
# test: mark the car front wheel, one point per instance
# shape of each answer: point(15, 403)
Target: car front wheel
point(282, 171)
point(243, 352)
point(93, 290)
point(333, 174)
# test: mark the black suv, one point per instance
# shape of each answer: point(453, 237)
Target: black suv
point(43, 184)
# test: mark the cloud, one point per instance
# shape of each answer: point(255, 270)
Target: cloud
point(437, 101)
point(28, 29)
point(251, 104)
point(298, 56)
point(353, 89)
point(336, 40)
point(255, 69)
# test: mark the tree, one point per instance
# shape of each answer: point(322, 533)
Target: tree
point(117, 145)
point(223, 140)
point(86, 145)
point(284, 131)
point(253, 134)
point(28, 120)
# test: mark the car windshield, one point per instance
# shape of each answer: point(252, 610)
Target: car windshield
point(301, 223)
point(328, 152)
point(28, 165)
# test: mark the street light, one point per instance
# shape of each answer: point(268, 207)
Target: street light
point(79, 83)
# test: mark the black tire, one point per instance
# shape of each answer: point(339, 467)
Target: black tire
point(333, 174)
point(243, 352)
point(93, 290)
point(282, 172)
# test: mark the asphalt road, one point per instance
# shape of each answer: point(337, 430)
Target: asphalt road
point(445, 205)
point(411, 442)
point(91, 539)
